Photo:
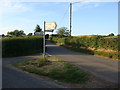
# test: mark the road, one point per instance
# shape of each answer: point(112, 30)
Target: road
point(15, 78)
point(103, 68)
point(100, 67)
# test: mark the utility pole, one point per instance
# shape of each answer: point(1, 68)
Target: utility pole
point(70, 18)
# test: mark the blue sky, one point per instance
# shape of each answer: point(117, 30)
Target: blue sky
point(88, 17)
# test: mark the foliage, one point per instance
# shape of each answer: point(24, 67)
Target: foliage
point(81, 44)
point(16, 33)
point(118, 35)
point(113, 55)
point(83, 50)
point(57, 40)
point(63, 31)
point(111, 34)
point(58, 70)
point(97, 42)
point(17, 46)
point(37, 28)
point(29, 34)
point(3, 35)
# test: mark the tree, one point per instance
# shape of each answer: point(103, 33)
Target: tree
point(111, 34)
point(3, 35)
point(118, 34)
point(37, 28)
point(29, 34)
point(63, 31)
point(16, 33)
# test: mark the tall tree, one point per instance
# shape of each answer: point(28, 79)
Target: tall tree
point(118, 34)
point(63, 31)
point(16, 33)
point(37, 28)
point(111, 34)
point(29, 34)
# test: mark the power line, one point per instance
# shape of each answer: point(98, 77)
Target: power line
point(76, 2)
point(64, 16)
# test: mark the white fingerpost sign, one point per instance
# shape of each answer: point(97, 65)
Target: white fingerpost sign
point(50, 25)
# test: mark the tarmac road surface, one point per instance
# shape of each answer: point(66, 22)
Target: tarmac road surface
point(103, 68)
point(15, 78)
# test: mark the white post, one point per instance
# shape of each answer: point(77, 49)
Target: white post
point(44, 42)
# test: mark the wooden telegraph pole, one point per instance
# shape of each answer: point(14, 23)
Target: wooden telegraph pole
point(70, 18)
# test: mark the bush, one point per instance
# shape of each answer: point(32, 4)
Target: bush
point(17, 46)
point(58, 40)
point(113, 55)
point(109, 43)
point(95, 42)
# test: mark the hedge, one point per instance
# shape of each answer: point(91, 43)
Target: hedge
point(58, 40)
point(96, 42)
point(17, 46)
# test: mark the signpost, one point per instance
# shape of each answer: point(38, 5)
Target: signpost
point(48, 26)
point(44, 42)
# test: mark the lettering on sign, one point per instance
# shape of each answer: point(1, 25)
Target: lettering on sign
point(50, 25)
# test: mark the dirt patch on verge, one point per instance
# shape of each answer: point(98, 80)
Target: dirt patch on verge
point(58, 67)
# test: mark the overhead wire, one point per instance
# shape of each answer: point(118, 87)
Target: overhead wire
point(63, 16)
point(66, 13)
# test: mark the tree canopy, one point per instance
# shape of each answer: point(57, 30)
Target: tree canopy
point(63, 31)
point(111, 34)
point(118, 34)
point(37, 28)
point(16, 33)
point(29, 34)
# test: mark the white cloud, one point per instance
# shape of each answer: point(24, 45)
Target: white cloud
point(7, 6)
point(66, 0)
point(77, 6)
point(6, 29)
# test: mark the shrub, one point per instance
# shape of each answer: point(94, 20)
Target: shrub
point(109, 43)
point(17, 46)
point(58, 40)
point(94, 42)
point(113, 55)
point(97, 42)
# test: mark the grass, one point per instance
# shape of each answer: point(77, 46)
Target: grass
point(55, 69)
point(110, 55)
point(80, 50)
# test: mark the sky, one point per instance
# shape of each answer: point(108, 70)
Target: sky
point(88, 18)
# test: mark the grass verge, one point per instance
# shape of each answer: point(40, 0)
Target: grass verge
point(55, 69)
point(110, 55)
